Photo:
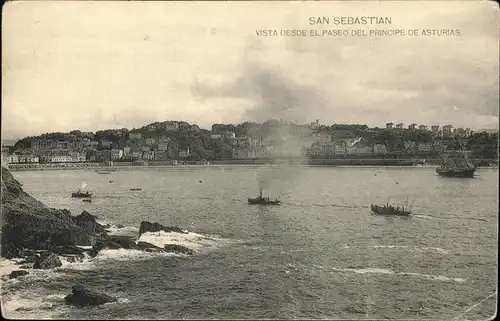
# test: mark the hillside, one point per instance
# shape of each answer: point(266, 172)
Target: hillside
point(28, 223)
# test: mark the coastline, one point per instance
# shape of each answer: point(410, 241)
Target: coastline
point(310, 163)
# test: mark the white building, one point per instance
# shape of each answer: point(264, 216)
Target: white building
point(60, 159)
point(116, 154)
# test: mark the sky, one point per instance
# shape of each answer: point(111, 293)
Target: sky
point(98, 65)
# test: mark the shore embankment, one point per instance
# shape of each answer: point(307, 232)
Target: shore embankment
point(355, 161)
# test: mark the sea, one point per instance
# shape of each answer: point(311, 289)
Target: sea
point(322, 254)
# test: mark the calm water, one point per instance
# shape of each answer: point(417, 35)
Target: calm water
point(319, 255)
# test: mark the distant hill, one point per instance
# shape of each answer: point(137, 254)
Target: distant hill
point(9, 142)
point(489, 131)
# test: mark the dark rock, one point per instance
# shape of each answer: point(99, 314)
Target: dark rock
point(178, 249)
point(148, 247)
point(156, 227)
point(113, 245)
point(107, 225)
point(26, 266)
point(67, 249)
point(83, 297)
point(47, 262)
point(93, 252)
point(72, 258)
point(16, 274)
point(87, 222)
point(127, 242)
point(29, 224)
point(119, 226)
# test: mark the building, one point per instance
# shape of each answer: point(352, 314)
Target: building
point(422, 127)
point(105, 143)
point(399, 126)
point(389, 125)
point(135, 155)
point(447, 131)
point(148, 155)
point(77, 157)
point(151, 128)
point(163, 146)
point(135, 136)
point(126, 150)
point(379, 149)
point(145, 149)
point(412, 127)
point(163, 139)
point(216, 136)
point(14, 158)
point(184, 152)
point(64, 145)
point(116, 154)
point(60, 159)
point(161, 156)
point(460, 132)
point(150, 141)
point(340, 148)
point(435, 129)
point(424, 148)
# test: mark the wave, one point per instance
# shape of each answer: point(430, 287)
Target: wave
point(414, 248)
point(371, 270)
point(193, 241)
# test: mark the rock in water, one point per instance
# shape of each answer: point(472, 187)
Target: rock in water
point(68, 249)
point(156, 227)
point(17, 273)
point(148, 247)
point(82, 297)
point(127, 242)
point(178, 249)
point(87, 222)
point(48, 262)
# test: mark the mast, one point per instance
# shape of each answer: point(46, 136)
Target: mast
point(260, 192)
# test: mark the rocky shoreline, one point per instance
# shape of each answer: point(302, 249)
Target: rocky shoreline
point(37, 237)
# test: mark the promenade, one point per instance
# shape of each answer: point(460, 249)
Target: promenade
point(403, 161)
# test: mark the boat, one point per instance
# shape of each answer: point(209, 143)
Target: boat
point(103, 172)
point(81, 194)
point(263, 200)
point(88, 200)
point(390, 210)
point(456, 163)
point(135, 189)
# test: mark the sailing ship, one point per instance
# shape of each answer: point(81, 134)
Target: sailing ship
point(263, 200)
point(456, 163)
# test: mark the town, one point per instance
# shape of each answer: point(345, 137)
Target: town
point(173, 142)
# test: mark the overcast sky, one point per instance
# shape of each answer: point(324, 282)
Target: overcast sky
point(97, 65)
